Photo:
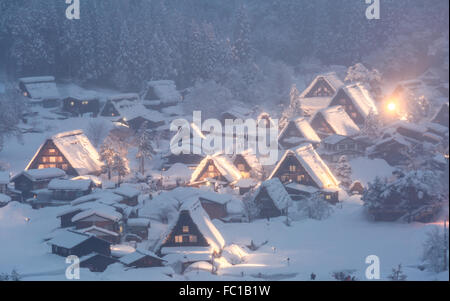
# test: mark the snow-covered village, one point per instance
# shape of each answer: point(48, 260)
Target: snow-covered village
point(228, 140)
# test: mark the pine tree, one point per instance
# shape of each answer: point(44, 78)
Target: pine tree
point(107, 154)
point(372, 126)
point(344, 172)
point(397, 274)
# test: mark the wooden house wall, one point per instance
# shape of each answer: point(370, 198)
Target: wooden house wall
point(267, 208)
point(97, 263)
point(185, 220)
point(90, 245)
point(25, 185)
point(242, 165)
point(95, 220)
point(321, 126)
point(69, 195)
point(299, 175)
point(77, 107)
point(51, 157)
point(147, 262)
point(344, 100)
point(214, 173)
point(321, 89)
point(214, 210)
point(109, 110)
point(66, 219)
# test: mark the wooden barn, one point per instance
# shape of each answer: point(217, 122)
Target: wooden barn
point(69, 190)
point(129, 195)
point(116, 104)
point(391, 149)
point(318, 94)
point(214, 204)
point(96, 262)
point(34, 179)
point(442, 116)
point(296, 132)
point(142, 259)
point(4, 181)
point(139, 117)
point(69, 151)
point(100, 217)
point(192, 231)
point(357, 102)
point(78, 105)
point(67, 215)
point(272, 199)
point(305, 166)
point(138, 226)
point(215, 169)
point(334, 120)
point(109, 236)
point(40, 90)
point(335, 146)
point(161, 94)
point(79, 244)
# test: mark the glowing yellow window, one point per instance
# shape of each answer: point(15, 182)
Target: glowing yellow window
point(185, 229)
point(211, 168)
point(192, 238)
point(179, 239)
point(328, 197)
point(241, 167)
point(292, 168)
point(41, 166)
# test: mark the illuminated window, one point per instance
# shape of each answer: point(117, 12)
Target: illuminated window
point(52, 159)
point(72, 103)
point(65, 166)
point(241, 167)
point(192, 238)
point(179, 239)
point(185, 229)
point(328, 197)
point(300, 178)
point(85, 102)
point(59, 159)
point(52, 150)
point(211, 168)
point(292, 168)
point(41, 166)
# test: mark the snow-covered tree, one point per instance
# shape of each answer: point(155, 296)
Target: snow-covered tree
point(370, 78)
point(343, 172)
point(96, 131)
point(435, 248)
point(372, 126)
point(107, 154)
point(294, 109)
point(12, 108)
point(120, 167)
point(397, 274)
point(314, 207)
point(145, 147)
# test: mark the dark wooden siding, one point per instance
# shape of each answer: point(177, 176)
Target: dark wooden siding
point(185, 220)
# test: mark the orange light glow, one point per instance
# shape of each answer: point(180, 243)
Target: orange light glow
point(392, 106)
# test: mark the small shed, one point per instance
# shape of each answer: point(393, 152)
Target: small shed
point(69, 190)
point(272, 199)
point(40, 90)
point(108, 219)
point(96, 262)
point(79, 244)
point(78, 105)
point(356, 188)
point(138, 226)
point(110, 236)
point(35, 179)
point(129, 194)
point(142, 259)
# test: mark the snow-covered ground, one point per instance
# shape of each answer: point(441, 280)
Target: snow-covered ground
point(341, 242)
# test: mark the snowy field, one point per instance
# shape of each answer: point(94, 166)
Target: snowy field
point(341, 242)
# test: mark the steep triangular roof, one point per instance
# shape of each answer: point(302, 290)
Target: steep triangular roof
point(201, 219)
point(310, 160)
point(222, 163)
point(276, 192)
point(305, 129)
point(331, 78)
point(78, 151)
point(361, 99)
point(338, 119)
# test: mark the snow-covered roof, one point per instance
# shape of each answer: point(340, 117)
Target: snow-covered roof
point(4, 177)
point(301, 187)
point(304, 128)
point(41, 174)
point(361, 99)
point(96, 180)
point(59, 184)
point(338, 119)
point(331, 78)
point(222, 163)
point(127, 191)
point(276, 192)
point(94, 230)
point(78, 150)
point(333, 139)
point(138, 255)
point(166, 91)
point(110, 214)
point(310, 160)
point(139, 110)
point(138, 222)
point(204, 224)
point(124, 97)
point(69, 239)
point(101, 196)
point(43, 87)
point(252, 161)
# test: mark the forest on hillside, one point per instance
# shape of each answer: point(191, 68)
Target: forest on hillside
point(234, 43)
